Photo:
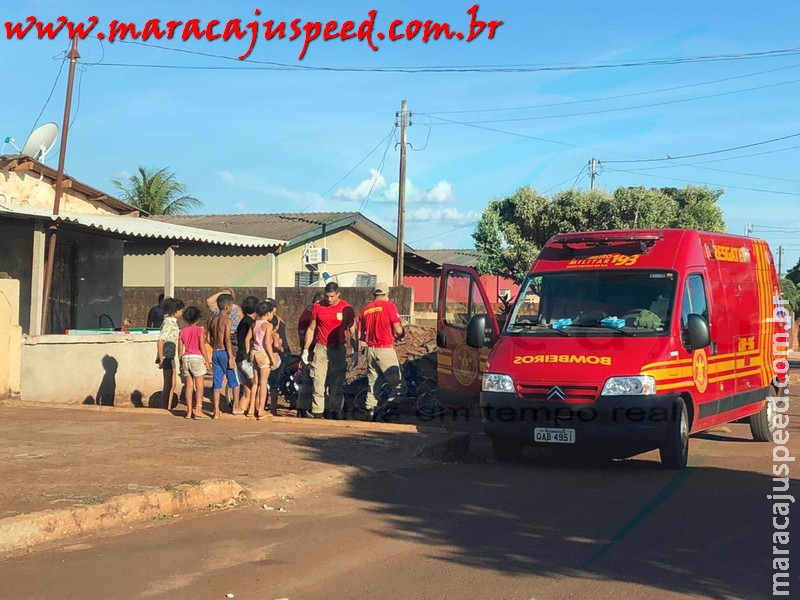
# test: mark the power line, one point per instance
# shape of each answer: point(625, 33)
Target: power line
point(720, 185)
point(363, 206)
point(52, 90)
point(606, 98)
point(441, 233)
point(523, 68)
point(643, 160)
point(637, 107)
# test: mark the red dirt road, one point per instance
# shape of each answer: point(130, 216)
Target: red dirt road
point(478, 529)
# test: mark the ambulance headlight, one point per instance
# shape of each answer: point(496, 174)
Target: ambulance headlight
point(641, 385)
point(493, 382)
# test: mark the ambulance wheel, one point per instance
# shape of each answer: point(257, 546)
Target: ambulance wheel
point(674, 449)
point(762, 424)
point(507, 451)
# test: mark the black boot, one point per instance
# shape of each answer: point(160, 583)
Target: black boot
point(369, 414)
point(304, 414)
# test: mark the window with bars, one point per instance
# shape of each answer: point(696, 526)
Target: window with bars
point(305, 278)
point(366, 280)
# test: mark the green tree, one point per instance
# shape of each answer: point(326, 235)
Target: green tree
point(156, 192)
point(791, 293)
point(511, 231)
point(793, 274)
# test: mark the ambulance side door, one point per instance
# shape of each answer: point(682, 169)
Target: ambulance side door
point(461, 296)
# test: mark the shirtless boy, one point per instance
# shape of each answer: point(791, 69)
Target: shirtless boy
point(222, 358)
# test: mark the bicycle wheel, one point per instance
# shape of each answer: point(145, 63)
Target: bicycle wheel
point(360, 399)
point(428, 399)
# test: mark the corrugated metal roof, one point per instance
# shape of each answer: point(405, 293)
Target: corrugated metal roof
point(287, 225)
point(467, 257)
point(133, 227)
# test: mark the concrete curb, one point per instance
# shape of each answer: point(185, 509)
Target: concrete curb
point(26, 531)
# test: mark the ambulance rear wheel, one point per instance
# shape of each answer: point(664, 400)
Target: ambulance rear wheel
point(674, 450)
point(762, 425)
point(507, 451)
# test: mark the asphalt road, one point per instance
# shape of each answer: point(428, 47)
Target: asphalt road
point(479, 529)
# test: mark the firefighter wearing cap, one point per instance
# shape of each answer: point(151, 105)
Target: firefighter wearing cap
point(379, 327)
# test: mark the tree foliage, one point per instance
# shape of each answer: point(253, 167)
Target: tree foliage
point(793, 274)
point(157, 192)
point(511, 231)
point(791, 294)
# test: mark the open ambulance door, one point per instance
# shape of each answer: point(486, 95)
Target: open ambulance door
point(461, 296)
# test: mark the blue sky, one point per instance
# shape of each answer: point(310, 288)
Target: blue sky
point(282, 140)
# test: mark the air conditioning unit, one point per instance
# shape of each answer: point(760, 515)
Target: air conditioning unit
point(315, 256)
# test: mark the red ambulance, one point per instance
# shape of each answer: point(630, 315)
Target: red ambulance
point(619, 342)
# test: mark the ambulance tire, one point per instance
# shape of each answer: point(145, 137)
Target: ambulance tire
point(674, 449)
point(762, 425)
point(507, 451)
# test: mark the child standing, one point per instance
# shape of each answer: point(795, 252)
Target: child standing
point(168, 348)
point(194, 362)
point(222, 359)
point(263, 357)
point(244, 336)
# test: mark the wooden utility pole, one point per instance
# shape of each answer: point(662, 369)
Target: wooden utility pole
point(73, 57)
point(592, 171)
point(401, 199)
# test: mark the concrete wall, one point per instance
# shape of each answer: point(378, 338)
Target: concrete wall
point(197, 266)
point(138, 301)
point(23, 188)
point(350, 255)
point(16, 259)
point(10, 337)
point(111, 369)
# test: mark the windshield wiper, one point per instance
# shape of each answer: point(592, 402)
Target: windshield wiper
point(531, 325)
point(603, 327)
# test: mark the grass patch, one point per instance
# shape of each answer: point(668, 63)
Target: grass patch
point(162, 517)
point(91, 500)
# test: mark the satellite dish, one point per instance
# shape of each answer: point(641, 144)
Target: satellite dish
point(41, 141)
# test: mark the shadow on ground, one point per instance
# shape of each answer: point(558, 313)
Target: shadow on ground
point(703, 531)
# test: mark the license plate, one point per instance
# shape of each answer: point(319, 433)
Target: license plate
point(554, 436)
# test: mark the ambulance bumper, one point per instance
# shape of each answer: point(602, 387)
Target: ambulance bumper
point(628, 420)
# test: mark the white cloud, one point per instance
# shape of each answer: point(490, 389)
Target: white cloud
point(240, 207)
point(449, 216)
point(437, 245)
point(440, 193)
point(373, 184)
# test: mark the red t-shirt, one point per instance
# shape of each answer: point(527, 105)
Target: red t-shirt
point(332, 322)
point(377, 320)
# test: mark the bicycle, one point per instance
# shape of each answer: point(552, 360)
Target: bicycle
point(422, 390)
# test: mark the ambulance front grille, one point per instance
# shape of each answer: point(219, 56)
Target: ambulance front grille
point(572, 394)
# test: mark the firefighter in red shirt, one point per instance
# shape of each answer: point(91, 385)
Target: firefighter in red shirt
point(306, 391)
point(379, 326)
point(332, 320)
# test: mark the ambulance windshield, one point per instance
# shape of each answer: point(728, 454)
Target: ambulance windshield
point(594, 302)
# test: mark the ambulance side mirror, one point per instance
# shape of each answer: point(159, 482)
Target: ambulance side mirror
point(697, 332)
point(479, 331)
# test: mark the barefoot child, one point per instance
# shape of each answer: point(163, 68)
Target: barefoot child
point(168, 348)
point(244, 337)
point(194, 362)
point(263, 357)
point(222, 359)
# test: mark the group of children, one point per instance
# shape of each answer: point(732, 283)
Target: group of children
point(244, 348)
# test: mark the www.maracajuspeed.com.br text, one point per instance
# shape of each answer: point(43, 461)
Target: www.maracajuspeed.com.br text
point(305, 31)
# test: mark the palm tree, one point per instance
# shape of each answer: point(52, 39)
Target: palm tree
point(157, 192)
